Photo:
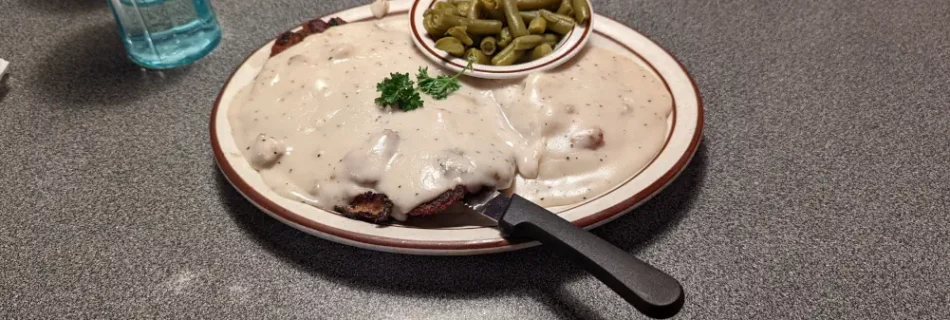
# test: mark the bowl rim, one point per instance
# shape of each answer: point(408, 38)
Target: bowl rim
point(565, 50)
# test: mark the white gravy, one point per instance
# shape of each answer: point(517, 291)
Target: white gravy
point(309, 124)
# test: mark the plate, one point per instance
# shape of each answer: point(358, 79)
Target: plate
point(567, 48)
point(685, 131)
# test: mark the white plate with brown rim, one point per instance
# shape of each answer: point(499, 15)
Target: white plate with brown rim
point(683, 138)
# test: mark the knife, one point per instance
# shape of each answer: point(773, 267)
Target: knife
point(651, 291)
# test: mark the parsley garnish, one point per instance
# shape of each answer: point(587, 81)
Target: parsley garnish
point(397, 91)
point(441, 86)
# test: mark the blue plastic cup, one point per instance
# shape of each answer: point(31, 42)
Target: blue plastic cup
point(162, 34)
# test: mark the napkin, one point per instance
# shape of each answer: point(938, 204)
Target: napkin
point(3, 67)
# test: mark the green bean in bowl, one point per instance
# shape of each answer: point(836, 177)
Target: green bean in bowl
point(502, 32)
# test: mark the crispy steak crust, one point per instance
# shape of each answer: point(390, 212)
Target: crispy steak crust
point(285, 40)
point(377, 208)
point(315, 26)
point(370, 206)
point(441, 203)
point(336, 21)
point(289, 38)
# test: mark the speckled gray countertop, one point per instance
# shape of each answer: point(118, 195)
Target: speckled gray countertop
point(820, 192)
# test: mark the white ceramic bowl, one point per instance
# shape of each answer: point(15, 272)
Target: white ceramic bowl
point(569, 46)
point(683, 137)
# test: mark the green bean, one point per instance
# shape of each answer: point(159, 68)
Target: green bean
point(449, 11)
point(537, 26)
point(451, 45)
point(558, 23)
point(513, 17)
point(443, 7)
point(458, 32)
point(443, 4)
point(464, 7)
point(526, 42)
point(474, 10)
point(489, 45)
point(478, 26)
point(551, 39)
point(441, 21)
point(431, 28)
point(540, 51)
point(528, 16)
point(548, 14)
point(504, 37)
point(456, 2)
point(566, 8)
point(537, 4)
point(581, 11)
point(473, 54)
point(493, 8)
point(508, 56)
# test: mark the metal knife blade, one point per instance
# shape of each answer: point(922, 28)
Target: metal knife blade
point(491, 204)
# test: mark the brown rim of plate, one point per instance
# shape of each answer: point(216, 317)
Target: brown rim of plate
point(449, 60)
point(609, 213)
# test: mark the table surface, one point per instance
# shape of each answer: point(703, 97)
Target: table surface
point(820, 191)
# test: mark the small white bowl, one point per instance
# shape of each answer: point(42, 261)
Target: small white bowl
point(569, 46)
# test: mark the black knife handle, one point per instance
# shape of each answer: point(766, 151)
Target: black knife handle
point(653, 292)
